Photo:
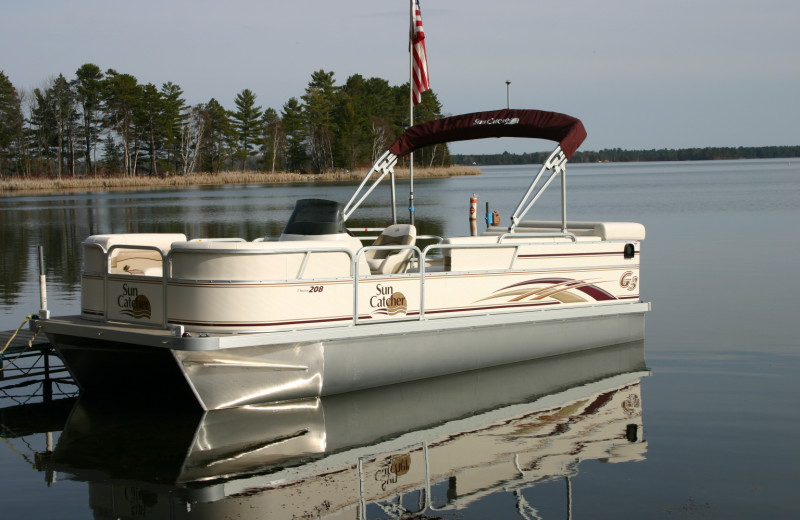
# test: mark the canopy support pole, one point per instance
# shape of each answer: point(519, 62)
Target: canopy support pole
point(564, 200)
point(394, 200)
point(385, 165)
point(557, 163)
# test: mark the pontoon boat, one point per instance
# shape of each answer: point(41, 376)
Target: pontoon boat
point(319, 312)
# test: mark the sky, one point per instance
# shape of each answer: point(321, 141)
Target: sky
point(640, 74)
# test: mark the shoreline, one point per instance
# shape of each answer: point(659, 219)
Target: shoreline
point(17, 186)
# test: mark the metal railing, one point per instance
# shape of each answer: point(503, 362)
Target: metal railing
point(423, 259)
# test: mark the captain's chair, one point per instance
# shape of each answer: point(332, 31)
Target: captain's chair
point(392, 261)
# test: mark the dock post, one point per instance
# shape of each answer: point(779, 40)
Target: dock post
point(43, 312)
point(473, 215)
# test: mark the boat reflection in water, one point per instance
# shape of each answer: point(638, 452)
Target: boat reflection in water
point(422, 447)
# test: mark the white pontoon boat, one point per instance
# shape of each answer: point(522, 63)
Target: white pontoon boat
point(318, 312)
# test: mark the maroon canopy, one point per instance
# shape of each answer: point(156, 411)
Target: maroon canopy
point(564, 129)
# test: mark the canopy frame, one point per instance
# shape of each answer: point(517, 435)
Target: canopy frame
point(566, 130)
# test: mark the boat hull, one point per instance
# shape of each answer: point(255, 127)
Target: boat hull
point(222, 371)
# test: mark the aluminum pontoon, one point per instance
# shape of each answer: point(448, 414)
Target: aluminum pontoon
point(438, 445)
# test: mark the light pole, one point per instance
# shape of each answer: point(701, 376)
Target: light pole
point(508, 94)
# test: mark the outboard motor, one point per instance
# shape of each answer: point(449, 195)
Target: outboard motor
point(316, 219)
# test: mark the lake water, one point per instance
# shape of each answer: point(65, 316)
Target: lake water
point(716, 421)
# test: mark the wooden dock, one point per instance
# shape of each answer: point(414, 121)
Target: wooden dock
point(20, 342)
point(36, 390)
point(25, 359)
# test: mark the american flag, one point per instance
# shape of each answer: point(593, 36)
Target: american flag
point(419, 58)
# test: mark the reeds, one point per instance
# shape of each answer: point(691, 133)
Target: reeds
point(15, 186)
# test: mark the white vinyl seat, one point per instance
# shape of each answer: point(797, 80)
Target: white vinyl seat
point(392, 261)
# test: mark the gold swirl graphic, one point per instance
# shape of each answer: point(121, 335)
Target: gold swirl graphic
point(140, 308)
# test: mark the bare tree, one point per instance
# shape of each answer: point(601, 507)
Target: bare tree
point(190, 133)
point(380, 139)
point(24, 144)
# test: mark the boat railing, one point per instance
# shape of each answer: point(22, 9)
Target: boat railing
point(112, 260)
point(305, 251)
point(434, 239)
point(109, 257)
point(166, 258)
point(433, 259)
point(224, 239)
point(505, 236)
point(164, 272)
point(439, 257)
point(426, 261)
point(488, 253)
point(408, 254)
point(379, 230)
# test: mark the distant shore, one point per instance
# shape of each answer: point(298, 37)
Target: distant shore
point(619, 155)
point(18, 186)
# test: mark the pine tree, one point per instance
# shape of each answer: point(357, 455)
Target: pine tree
point(88, 85)
point(217, 135)
point(319, 104)
point(65, 116)
point(149, 117)
point(294, 128)
point(174, 117)
point(121, 94)
point(367, 120)
point(246, 121)
point(10, 123)
point(53, 118)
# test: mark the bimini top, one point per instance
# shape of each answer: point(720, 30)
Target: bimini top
point(566, 130)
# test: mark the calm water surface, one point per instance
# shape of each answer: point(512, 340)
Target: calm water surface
point(720, 418)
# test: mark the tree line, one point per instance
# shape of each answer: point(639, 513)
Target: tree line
point(108, 123)
point(619, 155)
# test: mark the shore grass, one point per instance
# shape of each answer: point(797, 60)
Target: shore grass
point(18, 186)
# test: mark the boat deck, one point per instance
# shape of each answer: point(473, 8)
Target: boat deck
point(172, 339)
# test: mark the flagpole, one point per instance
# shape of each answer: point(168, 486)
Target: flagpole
point(411, 117)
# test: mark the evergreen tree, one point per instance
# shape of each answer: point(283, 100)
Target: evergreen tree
point(319, 104)
point(42, 130)
point(327, 127)
point(65, 117)
point(149, 119)
point(121, 95)
point(246, 121)
point(112, 156)
point(10, 123)
point(349, 142)
point(52, 120)
point(218, 133)
point(294, 128)
point(367, 117)
point(173, 120)
point(88, 85)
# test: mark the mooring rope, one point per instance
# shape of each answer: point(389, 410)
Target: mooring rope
point(30, 343)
